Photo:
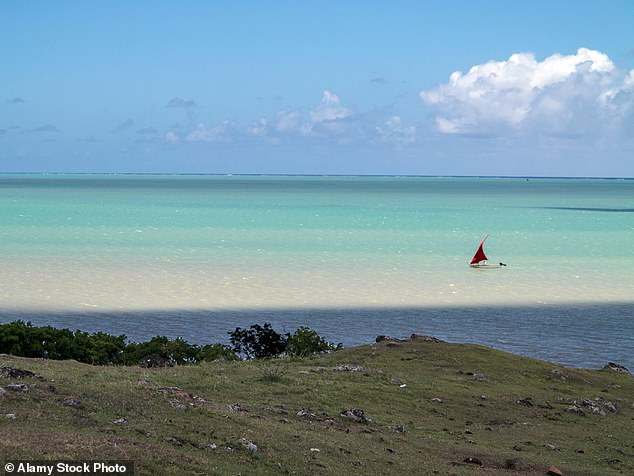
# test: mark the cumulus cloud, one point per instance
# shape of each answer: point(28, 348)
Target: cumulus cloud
point(394, 131)
point(46, 128)
point(330, 120)
point(181, 103)
point(562, 94)
point(329, 117)
point(226, 131)
point(284, 123)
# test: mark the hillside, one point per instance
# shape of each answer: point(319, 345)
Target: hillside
point(413, 407)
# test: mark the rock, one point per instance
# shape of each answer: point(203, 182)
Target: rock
point(552, 447)
point(479, 378)
point(153, 361)
point(120, 421)
point(595, 405)
point(356, 414)
point(174, 441)
point(397, 428)
point(527, 402)
point(512, 463)
point(9, 372)
point(2, 391)
point(307, 414)
point(424, 337)
point(472, 460)
point(182, 395)
point(609, 405)
point(72, 402)
point(10, 416)
point(553, 471)
point(387, 339)
point(349, 368)
point(18, 387)
point(558, 374)
point(436, 400)
point(575, 409)
point(616, 368)
point(249, 445)
point(236, 407)
point(212, 446)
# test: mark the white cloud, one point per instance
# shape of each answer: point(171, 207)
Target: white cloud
point(283, 123)
point(172, 138)
point(329, 117)
point(287, 122)
point(394, 131)
point(561, 94)
point(328, 121)
point(223, 132)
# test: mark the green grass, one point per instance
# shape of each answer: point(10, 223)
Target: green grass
point(478, 415)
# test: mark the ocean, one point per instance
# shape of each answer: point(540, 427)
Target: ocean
point(351, 257)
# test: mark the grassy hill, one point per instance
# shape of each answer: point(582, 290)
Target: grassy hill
point(413, 407)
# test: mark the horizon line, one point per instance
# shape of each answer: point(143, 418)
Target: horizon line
point(212, 174)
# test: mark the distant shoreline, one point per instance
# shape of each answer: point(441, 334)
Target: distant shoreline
point(326, 175)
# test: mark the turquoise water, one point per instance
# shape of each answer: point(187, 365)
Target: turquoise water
point(370, 251)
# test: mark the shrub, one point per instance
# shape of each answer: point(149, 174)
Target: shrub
point(211, 352)
point(258, 342)
point(306, 341)
point(177, 351)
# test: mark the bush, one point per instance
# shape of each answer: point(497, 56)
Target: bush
point(306, 341)
point(25, 340)
point(258, 341)
point(211, 352)
point(177, 351)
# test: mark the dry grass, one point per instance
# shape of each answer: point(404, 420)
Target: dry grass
point(431, 406)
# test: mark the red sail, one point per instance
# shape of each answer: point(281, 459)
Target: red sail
point(480, 256)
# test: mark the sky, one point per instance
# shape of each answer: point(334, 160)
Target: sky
point(433, 87)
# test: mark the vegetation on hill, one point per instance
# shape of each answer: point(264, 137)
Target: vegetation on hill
point(23, 339)
point(413, 407)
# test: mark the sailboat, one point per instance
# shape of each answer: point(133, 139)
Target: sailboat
point(479, 259)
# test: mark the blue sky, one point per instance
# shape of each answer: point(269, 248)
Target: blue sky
point(325, 87)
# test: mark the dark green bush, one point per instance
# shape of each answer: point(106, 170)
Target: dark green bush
point(306, 341)
point(25, 340)
point(211, 352)
point(258, 341)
